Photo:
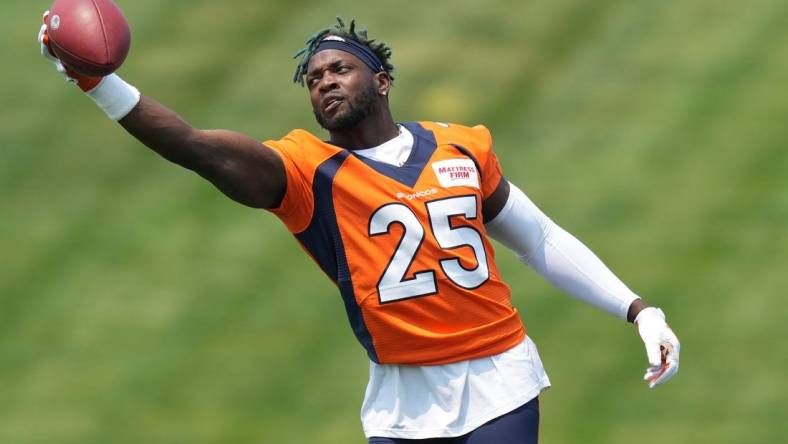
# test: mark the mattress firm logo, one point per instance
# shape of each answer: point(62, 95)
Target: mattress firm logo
point(456, 173)
point(418, 194)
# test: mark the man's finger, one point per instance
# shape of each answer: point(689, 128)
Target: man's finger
point(670, 370)
point(651, 373)
point(652, 380)
point(61, 68)
point(656, 376)
point(654, 355)
point(46, 48)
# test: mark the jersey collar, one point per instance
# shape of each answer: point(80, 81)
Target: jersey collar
point(408, 174)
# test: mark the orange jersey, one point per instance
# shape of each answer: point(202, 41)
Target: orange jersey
point(405, 245)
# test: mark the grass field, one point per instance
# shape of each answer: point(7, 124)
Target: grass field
point(138, 305)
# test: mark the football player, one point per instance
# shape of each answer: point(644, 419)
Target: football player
point(398, 216)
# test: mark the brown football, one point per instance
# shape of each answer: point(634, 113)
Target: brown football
point(89, 36)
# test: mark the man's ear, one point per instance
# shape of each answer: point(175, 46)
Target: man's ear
point(383, 83)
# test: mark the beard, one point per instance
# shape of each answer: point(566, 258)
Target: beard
point(358, 109)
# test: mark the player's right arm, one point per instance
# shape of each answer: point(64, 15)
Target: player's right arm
point(241, 167)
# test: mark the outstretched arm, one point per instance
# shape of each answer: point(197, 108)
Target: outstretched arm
point(238, 165)
point(512, 219)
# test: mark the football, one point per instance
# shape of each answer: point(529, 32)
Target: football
point(89, 36)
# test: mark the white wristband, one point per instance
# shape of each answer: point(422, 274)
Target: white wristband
point(651, 315)
point(114, 96)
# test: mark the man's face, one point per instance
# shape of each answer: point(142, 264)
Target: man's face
point(342, 89)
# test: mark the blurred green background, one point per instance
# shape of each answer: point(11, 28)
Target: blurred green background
point(138, 305)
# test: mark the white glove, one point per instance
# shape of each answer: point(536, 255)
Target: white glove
point(114, 96)
point(86, 83)
point(45, 51)
point(662, 346)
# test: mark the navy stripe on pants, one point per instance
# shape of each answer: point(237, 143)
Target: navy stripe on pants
point(520, 426)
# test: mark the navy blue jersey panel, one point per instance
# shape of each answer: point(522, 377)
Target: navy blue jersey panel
point(319, 238)
point(324, 242)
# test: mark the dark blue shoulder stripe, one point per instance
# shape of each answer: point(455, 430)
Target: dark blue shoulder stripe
point(324, 242)
point(319, 238)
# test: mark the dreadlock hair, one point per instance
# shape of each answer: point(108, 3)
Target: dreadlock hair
point(380, 49)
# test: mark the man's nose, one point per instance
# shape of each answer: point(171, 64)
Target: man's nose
point(328, 82)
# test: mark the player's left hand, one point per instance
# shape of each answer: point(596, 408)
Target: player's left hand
point(662, 346)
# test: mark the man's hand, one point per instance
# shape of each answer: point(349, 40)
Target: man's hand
point(662, 346)
point(85, 83)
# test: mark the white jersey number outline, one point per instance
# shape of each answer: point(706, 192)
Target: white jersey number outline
point(392, 285)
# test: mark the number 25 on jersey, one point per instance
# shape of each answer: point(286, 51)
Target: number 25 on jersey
point(392, 285)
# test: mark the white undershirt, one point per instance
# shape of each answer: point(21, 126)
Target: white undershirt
point(417, 402)
point(394, 151)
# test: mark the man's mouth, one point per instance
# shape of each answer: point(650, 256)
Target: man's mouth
point(331, 104)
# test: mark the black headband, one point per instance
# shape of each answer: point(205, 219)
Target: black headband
point(353, 47)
